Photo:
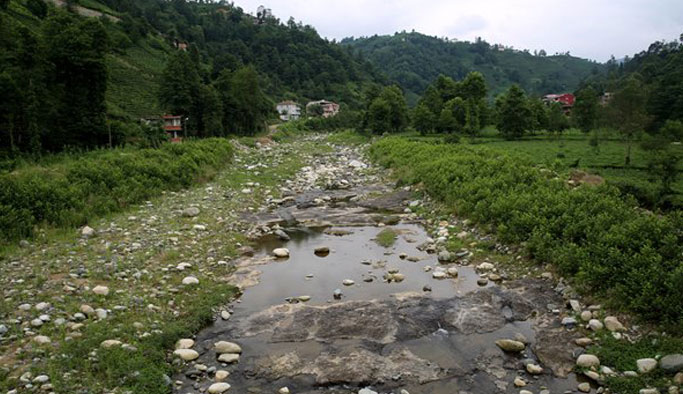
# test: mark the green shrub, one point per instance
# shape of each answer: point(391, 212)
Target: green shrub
point(609, 245)
point(82, 187)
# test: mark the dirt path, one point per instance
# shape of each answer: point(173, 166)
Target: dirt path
point(360, 317)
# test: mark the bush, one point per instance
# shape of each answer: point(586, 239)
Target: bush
point(80, 188)
point(591, 233)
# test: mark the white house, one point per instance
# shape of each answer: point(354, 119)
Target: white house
point(289, 110)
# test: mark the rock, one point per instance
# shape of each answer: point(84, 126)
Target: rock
point(199, 227)
point(184, 343)
point(595, 324)
point(337, 294)
point(631, 374)
point(575, 305)
point(282, 235)
point(586, 315)
point(485, 266)
point(482, 281)
point(646, 365)
point(101, 313)
point(87, 309)
point(109, 343)
point(584, 387)
point(592, 375)
point(678, 378)
point(221, 375)
point(41, 340)
point(439, 275)
point(648, 391)
point(227, 347)
point(534, 369)
point(218, 388)
point(3, 329)
point(190, 212)
point(588, 361)
point(190, 281)
point(568, 322)
point(229, 358)
point(36, 322)
point(40, 379)
point(525, 392)
point(41, 306)
point(583, 342)
point(304, 298)
point(510, 345)
point(519, 382)
point(322, 250)
point(246, 251)
point(426, 288)
point(281, 253)
point(101, 290)
point(283, 390)
point(452, 272)
point(87, 232)
point(225, 315)
point(186, 354)
point(672, 363)
point(613, 324)
point(348, 282)
point(366, 391)
point(445, 256)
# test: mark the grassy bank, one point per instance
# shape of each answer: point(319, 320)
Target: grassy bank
point(78, 188)
point(590, 233)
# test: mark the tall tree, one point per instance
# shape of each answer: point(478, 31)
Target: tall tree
point(627, 111)
point(423, 119)
point(180, 88)
point(585, 110)
point(514, 113)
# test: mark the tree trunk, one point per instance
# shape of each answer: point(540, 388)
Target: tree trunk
point(628, 153)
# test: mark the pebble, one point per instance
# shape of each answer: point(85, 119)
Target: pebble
point(41, 306)
point(281, 253)
point(588, 361)
point(366, 391)
point(190, 212)
point(337, 294)
point(185, 343)
point(595, 325)
point(439, 275)
point(222, 347)
point(322, 250)
point(3, 329)
point(534, 369)
point(452, 272)
point(482, 281)
point(186, 354)
point(586, 315)
point(218, 388)
point(510, 345)
point(613, 324)
point(348, 282)
point(229, 358)
point(221, 375)
point(41, 340)
point(672, 363)
point(190, 281)
point(87, 232)
point(519, 382)
point(485, 266)
point(646, 365)
point(101, 290)
point(87, 309)
point(101, 313)
point(109, 343)
point(583, 342)
point(225, 315)
point(584, 387)
point(283, 390)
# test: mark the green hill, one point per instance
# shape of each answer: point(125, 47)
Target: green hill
point(415, 60)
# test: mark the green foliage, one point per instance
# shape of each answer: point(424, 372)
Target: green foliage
point(388, 112)
point(386, 237)
point(590, 233)
point(82, 187)
point(627, 113)
point(585, 110)
point(557, 120)
point(514, 115)
point(415, 60)
point(423, 119)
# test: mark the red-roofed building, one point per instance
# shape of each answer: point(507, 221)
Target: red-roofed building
point(565, 99)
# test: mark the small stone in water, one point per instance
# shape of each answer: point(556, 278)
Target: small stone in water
point(348, 282)
point(337, 294)
point(281, 253)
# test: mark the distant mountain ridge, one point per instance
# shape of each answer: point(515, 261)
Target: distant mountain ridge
point(414, 60)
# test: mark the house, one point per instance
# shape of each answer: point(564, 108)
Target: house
point(329, 108)
point(180, 45)
point(173, 126)
point(605, 98)
point(566, 100)
point(289, 110)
